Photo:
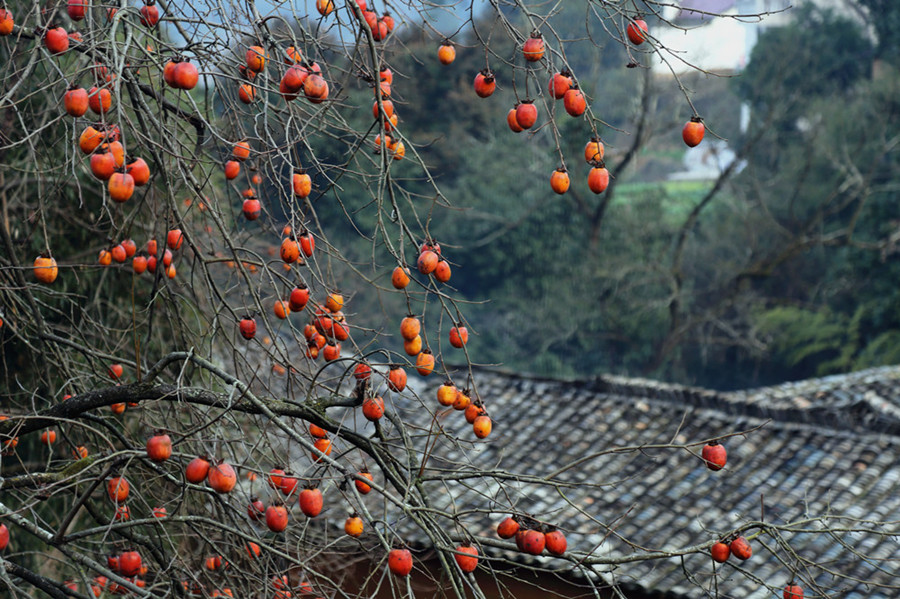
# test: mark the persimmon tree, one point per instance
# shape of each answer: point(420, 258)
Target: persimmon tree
point(185, 370)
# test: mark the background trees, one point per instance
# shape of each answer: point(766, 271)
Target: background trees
point(190, 336)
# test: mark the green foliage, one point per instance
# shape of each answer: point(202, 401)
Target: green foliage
point(815, 339)
point(819, 55)
point(885, 19)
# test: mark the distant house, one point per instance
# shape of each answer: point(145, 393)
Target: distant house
point(820, 453)
point(699, 39)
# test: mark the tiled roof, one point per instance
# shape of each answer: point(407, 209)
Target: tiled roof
point(819, 447)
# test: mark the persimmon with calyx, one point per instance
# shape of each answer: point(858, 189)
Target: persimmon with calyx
point(398, 151)
point(103, 165)
point(396, 378)
point(130, 247)
point(559, 180)
point(276, 518)
point(594, 150)
point(76, 9)
point(315, 88)
point(325, 7)
point(221, 477)
point(373, 408)
point(442, 272)
point(388, 20)
point(48, 437)
point(485, 83)
point(174, 239)
point(560, 83)
point(241, 150)
point(427, 262)
point(425, 362)
point(400, 562)
point(6, 21)
point(56, 40)
point(185, 75)
point(115, 371)
point(598, 178)
point(474, 410)
point(247, 93)
point(140, 264)
point(197, 470)
point(331, 352)
point(410, 327)
point(637, 31)
point(353, 526)
point(251, 208)
point(45, 269)
point(307, 243)
point(720, 552)
point(149, 14)
point(302, 184)
point(334, 302)
point(693, 132)
point(400, 277)
point(793, 591)
point(232, 169)
point(534, 49)
point(117, 150)
point(275, 477)
point(256, 509)
point(90, 139)
point(117, 252)
point(100, 100)
point(76, 101)
point(130, 563)
point(574, 102)
point(714, 455)
point(462, 400)
point(459, 336)
point(256, 58)
point(508, 527)
point(298, 298)
point(555, 541)
point(290, 250)
point(741, 549)
point(362, 371)
point(386, 105)
point(117, 488)
point(362, 487)
point(526, 114)
point(482, 426)
point(533, 542)
point(104, 258)
point(139, 171)
point(466, 557)
point(446, 53)
point(446, 393)
point(159, 447)
point(248, 327)
point(311, 502)
point(282, 309)
point(322, 445)
point(289, 484)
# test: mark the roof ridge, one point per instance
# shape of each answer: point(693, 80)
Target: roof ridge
point(843, 411)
